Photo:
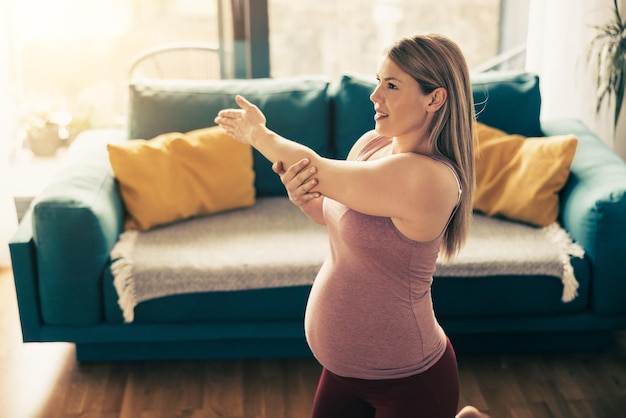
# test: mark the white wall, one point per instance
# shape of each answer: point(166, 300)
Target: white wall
point(8, 217)
point(559, 32)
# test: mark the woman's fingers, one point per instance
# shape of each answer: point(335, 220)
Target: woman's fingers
point(249, 110)
point(298, 180)
point(299, 173)
point(302, 189)
point(241, 124)
point(278, 168)
point(230, 116)
point(244, 103)
point(299, 167)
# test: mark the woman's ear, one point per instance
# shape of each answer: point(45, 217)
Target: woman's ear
point(437, 98)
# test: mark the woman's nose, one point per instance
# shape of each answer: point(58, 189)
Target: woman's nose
point(374, 97)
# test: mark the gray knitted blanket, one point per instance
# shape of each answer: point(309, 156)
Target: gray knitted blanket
point(273, 244)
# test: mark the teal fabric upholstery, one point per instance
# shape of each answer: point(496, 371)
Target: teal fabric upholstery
point(24, 264)
point(76, 220)
point(256, 305)
point(353, 110)
point(593, 209)
point(296, 108)
point(509, 296)
point(509, 101)
point(61, 263)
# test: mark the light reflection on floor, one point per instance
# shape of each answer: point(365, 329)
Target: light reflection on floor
point(28, 372)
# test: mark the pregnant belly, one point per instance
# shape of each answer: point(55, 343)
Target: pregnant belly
point(358, 330)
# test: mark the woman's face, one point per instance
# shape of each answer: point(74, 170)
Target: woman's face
point(402, 110)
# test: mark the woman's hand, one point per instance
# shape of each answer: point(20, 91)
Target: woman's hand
point(299, 180)
point(243, 124)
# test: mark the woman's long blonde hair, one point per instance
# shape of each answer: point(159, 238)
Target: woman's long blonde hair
point(435, 61)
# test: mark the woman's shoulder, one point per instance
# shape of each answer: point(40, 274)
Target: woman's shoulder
point(451, 167)
point(360, 143)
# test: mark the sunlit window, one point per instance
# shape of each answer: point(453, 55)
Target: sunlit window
point(331, 37)
point(38, 20)
point(74, 55)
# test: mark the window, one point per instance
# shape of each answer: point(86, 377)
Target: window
point(74, 55)
point(331, 37)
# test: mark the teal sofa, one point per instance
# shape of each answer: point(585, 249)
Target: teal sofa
point(61, 251)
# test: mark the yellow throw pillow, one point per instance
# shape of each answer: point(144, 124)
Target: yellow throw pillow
point(176, 176)
point(520, 178)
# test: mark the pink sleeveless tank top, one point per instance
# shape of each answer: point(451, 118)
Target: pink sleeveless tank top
point(370, 313)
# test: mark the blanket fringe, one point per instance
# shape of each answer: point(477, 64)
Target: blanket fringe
point(568, 248)
point(122, 269)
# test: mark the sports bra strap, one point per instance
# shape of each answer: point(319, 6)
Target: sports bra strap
point(371, 147)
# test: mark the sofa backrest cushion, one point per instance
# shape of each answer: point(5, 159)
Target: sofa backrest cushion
point(509, 101)
point(296, 108)
point(327, 117)
point(353, 110)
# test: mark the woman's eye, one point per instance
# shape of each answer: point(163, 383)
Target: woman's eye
point(390, 86)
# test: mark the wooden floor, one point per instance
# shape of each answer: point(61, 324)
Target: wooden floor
point(45, 381)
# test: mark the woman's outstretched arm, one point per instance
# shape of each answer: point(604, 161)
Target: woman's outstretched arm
point(395, 186)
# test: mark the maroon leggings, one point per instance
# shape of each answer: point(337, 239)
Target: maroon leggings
point(431, 394)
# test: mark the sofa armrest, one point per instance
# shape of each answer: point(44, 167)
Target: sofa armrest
point(76, 220)
point(593, 211)
point(24, 263)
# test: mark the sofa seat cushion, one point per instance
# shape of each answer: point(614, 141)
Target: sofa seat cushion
point(236, 265)
point(280, 304)
point(270, 245)
point(509, 295)
point(453, 297)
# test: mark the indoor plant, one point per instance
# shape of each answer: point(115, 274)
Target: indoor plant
point(608, 51)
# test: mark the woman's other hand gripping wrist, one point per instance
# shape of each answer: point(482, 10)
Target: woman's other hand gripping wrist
point(300, 182)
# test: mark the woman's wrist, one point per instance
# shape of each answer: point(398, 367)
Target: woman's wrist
point(259, 136)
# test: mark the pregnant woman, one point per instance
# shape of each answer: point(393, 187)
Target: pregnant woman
point(403, 195)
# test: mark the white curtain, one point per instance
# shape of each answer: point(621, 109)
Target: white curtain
point(559, 32)
point(8, 217)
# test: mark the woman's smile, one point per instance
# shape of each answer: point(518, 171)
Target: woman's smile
point(379, 115)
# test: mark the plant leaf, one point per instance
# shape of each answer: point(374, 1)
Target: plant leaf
point(607, 50)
